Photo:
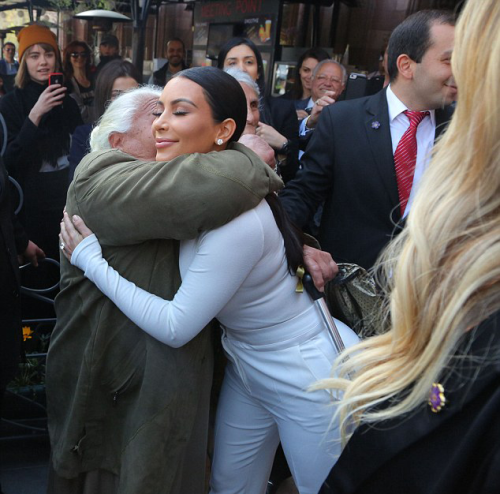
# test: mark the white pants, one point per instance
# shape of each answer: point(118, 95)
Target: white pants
point(264, 399)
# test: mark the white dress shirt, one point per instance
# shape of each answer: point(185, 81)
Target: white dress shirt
point(303, 130)
point(426, 130)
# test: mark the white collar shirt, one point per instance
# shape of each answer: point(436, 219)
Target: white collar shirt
point(303, 130)
point(426, 131)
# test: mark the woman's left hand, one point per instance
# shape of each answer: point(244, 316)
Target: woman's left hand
point(271, 136)
point(72, 233)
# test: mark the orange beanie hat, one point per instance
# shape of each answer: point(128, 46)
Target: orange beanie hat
point(33, 35)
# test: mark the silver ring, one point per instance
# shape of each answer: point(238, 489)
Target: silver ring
point(61, 246)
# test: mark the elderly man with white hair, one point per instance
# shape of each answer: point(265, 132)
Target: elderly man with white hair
point(128, 414)
point(328, 83)
point(252, 94)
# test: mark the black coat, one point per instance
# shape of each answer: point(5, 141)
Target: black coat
point(349, 164)
point(13, 241)
point(103, 60)
point(28, 146)
point(281, 115)
point(300, 104)
point(80, 146)
point(160, 75)
point(453, 451)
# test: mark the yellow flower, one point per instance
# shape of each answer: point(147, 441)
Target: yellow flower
point(27, 333)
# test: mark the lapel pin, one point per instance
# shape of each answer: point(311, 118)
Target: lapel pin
point(437, 400)
point(375, 124)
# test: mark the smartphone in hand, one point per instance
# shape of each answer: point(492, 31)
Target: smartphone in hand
point(55, 78)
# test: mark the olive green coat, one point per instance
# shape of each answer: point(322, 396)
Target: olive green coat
point(118, 399)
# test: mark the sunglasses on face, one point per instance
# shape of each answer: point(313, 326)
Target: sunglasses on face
point(78, 54)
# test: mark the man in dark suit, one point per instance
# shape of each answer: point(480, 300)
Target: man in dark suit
point(349, 162)
point(328, 83)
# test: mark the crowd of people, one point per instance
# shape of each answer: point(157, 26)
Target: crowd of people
point(185, 205)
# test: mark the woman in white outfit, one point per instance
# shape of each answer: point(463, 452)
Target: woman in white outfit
point(275, 340)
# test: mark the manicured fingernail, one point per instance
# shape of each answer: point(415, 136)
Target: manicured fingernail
point(75, 217)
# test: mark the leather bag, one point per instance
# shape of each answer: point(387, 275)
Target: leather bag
point(354, 298)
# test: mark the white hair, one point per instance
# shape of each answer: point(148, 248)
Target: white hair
point(243, 77)
point(330, 60)
point(120, 114)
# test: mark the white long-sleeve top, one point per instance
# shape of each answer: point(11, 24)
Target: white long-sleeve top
point(237, 273)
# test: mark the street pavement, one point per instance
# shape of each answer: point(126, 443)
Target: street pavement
point(24, 465)
point(24, 446)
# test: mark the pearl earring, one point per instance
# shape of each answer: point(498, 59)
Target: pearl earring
point(219, 142)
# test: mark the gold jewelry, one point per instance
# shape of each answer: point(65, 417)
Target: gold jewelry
point(437, 399)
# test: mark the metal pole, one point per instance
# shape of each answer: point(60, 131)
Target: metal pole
point(140, 17)
point(320, 303)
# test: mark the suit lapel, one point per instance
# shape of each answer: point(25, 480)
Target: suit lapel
point(378, 133)
point(301, 104)
point(443, 117)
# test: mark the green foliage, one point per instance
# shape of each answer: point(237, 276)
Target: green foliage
point(31, 372)
point(61, 4)
point(83, 6)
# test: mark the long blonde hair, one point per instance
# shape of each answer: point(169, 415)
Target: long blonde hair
point(443, 271)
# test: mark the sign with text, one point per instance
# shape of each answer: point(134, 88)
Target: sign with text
point(234, 10)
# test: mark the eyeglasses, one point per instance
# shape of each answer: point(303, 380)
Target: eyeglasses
point(325, 78)
point(78, 54)
point(10, 49)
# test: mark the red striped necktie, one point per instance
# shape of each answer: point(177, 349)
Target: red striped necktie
point(405, 157)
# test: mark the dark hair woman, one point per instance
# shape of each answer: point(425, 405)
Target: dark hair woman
point(40, 120)
point(275, 339)
point(76, 67)
point(114, 78)
point(278, 120)
point(301, 88)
